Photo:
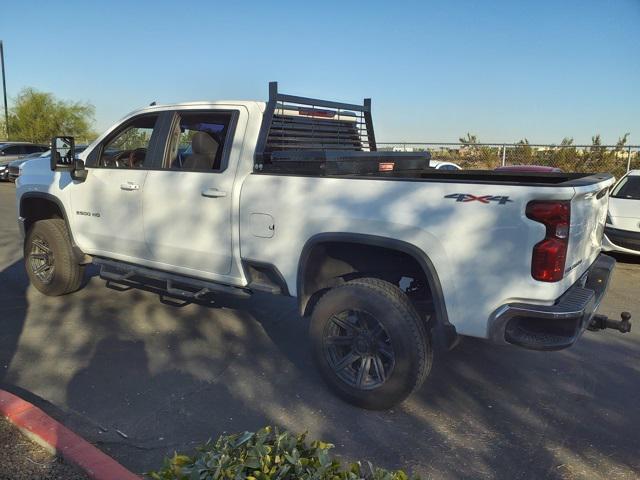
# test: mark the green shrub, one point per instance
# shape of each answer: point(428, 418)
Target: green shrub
point(268, 454)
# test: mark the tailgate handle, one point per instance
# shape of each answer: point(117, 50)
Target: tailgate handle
point(213, 193)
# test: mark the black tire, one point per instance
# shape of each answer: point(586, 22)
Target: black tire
point(47, 244)
point(337, 339)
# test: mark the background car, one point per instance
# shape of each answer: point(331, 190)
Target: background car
point(622, 230)
point(10, 151)
point(13, 168)
point(438, 165)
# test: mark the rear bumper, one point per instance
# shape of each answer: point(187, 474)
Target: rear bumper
point(557, 326)
point(621, 240)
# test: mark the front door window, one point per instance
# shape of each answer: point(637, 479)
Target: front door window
point(129, 147)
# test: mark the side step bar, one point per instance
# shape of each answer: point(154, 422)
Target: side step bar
point(112, 270)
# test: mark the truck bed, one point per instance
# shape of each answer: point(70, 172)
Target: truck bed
point(506, 178)
point(408, 174)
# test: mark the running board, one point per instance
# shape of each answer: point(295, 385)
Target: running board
point(188, 287)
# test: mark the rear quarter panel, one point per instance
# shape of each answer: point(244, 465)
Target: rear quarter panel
point(588, 217)
point(481, 251)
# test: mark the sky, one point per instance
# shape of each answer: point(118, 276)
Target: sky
point(502, 70)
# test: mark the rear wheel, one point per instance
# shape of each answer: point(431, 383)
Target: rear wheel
point(370, 344)
point(49, 259)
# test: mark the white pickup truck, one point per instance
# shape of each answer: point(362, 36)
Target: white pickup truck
point(291, 196)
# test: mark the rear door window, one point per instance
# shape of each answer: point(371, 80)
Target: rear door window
point(199, 141)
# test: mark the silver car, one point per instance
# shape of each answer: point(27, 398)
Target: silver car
point(13, 168)
point(10, 151)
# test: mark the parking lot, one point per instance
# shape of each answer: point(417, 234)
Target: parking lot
point(142, 376)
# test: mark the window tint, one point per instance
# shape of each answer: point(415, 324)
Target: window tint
point(629, 187)
point(197, 141)
point(128, 148)
point(32, 148)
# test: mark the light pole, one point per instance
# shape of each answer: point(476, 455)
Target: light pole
point(4, 92)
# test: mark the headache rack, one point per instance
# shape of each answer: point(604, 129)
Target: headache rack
point(308, 136)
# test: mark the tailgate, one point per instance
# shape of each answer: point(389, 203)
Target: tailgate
point(588, 216)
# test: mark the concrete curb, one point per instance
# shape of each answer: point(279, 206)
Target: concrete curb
point(58, 439)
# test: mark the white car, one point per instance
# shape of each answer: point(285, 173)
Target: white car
point(438, 165)
point(622, 231)
point(292, 197)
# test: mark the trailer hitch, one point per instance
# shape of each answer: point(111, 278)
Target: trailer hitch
point(602, 322)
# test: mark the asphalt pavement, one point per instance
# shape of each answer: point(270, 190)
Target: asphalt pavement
point(141, 376)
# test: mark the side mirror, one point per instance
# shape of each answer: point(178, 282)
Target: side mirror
point(63, 157)
point(62, 153)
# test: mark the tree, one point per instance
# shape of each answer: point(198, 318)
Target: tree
point(37, 116)
point(469, 139)
point(473, 155)
point(523, 153)
point(622, 141)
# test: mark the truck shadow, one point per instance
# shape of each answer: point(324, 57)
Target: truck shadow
point(169, 378)
point(13, 310)
point(139, 416)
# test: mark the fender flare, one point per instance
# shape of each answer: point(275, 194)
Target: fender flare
point(374, 240)
point(79, 254)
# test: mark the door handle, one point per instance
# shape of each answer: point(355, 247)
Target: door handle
point(129, 186)
point(213, 193)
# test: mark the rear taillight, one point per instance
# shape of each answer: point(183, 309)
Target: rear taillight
point(549, 255)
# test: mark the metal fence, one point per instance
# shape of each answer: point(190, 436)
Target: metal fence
point(569, 158)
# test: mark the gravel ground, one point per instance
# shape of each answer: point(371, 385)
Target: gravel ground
point(22, 459)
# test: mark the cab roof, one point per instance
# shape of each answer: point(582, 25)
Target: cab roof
point(160, 107)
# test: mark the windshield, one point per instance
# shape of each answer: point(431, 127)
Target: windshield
point(629, 187)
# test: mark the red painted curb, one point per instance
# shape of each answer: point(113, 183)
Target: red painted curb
point(59, 439)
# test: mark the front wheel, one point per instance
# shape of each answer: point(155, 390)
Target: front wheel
point(370, 344)
point(49, 259)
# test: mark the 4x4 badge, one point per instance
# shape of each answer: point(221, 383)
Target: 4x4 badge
point(468, 197)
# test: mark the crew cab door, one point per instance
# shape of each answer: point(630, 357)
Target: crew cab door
point(107, 206)
point(187, 202)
